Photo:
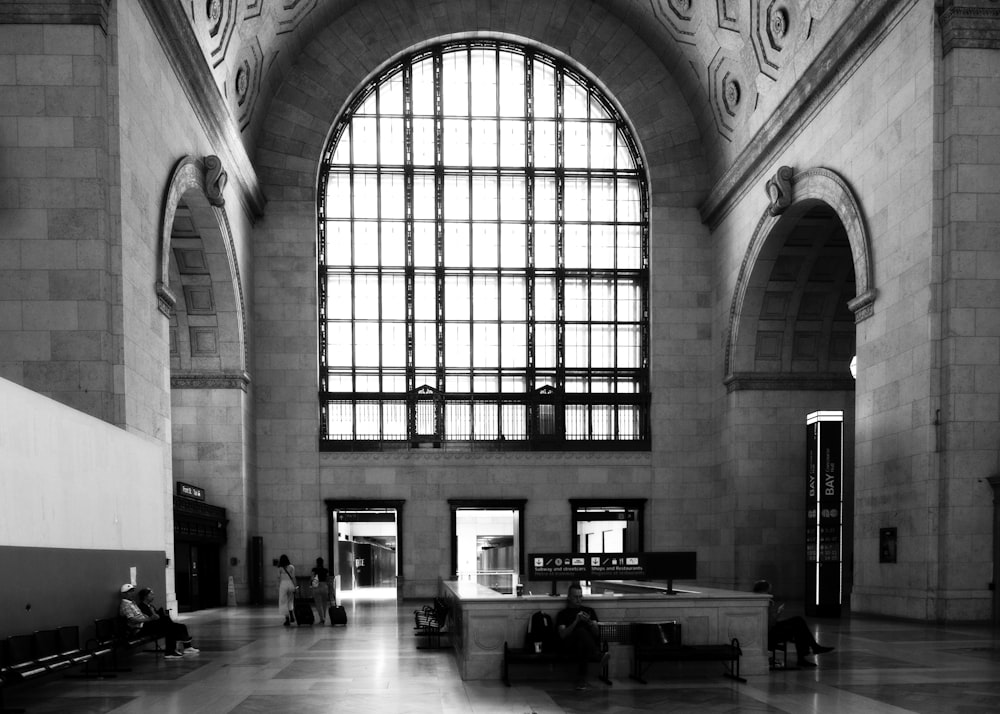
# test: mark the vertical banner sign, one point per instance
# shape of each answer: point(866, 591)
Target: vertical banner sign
point(812, 508)
point(824, 507)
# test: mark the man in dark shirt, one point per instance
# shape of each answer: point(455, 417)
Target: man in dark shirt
point(578, 633)
point(792, 629)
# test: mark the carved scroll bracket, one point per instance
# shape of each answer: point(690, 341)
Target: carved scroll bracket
point(779, 190)
point(215, 181)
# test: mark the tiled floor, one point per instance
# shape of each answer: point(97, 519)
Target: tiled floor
point(249, 663)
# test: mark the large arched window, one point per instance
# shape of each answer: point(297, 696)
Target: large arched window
point(483, 260)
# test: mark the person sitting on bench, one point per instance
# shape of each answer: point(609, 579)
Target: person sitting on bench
point(579, 636)
point(180, 630)
point(792, 629)
point(139, 622)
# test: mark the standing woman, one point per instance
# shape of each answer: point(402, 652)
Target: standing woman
point(321, 589)
point(286, 589)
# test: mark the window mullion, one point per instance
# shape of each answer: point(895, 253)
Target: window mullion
point(560, 272)
point(439, 215)
point(529, 197)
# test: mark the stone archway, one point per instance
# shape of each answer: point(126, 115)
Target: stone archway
point(793, 196)
point(805, 282)
point(199, 291)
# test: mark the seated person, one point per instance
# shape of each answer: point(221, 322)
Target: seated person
point(793, 629)
point(152, 625)
point(579, 636)
point(179, 630)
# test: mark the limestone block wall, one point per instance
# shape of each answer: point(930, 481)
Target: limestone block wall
point(209, 449)
point(686, 480)
point(427, 482)
point(679, 477)
point(159, 127)
point(765, 437)
point(58, 274)
point(878, 132)
point(970, 328)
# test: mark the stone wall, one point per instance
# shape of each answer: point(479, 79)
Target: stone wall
point(294, 478)
point(881, 133)
point(59, 279)
point(158, 129)
point(968, 425)
point(79, 522)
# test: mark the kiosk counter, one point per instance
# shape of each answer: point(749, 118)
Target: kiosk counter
point(483, 619)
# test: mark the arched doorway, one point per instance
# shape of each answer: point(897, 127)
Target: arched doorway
point(804, 284)
point(201, 296)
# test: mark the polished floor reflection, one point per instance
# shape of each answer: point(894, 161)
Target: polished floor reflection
point(250, 663)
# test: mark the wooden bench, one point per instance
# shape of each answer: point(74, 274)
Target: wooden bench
point(661, 642)
point(431, 621)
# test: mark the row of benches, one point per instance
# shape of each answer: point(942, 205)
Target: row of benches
point(650, 643)
point(27, 657)
point(431, 621)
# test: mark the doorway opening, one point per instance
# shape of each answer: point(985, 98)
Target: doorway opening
point(365, 548)
point(608, 526)
point(487, 538)
point(199, 540)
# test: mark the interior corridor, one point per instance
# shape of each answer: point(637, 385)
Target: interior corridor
point(250, 663)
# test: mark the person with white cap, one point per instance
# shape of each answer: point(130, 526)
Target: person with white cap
point(151, 625)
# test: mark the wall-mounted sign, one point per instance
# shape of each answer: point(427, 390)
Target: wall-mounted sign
point(887, 545)
point(628, 515)
point(189, 491)
point(365, 517)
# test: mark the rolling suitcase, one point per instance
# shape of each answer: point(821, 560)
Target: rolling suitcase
point(303, 611)
point(338, 615)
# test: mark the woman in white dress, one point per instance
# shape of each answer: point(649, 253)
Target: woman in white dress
point(286, 589)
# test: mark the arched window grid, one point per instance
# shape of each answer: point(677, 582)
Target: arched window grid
point(553, 352)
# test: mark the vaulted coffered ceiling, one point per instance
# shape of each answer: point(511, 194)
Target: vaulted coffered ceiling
point(734, 59)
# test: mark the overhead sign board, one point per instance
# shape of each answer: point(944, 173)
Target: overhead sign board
point(189, 491)
point(613, 566)
point(558, 566)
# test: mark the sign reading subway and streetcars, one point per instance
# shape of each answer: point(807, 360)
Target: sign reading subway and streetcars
point(612, 566)
point(558, 566)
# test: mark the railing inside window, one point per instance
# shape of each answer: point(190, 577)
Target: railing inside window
point(499, 422)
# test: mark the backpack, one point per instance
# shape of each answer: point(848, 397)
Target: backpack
point(541, 629)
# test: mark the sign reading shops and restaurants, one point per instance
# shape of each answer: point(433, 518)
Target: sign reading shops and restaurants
point(612, 566)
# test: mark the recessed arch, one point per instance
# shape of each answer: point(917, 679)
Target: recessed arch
point(193, 199)
point(816, 189)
